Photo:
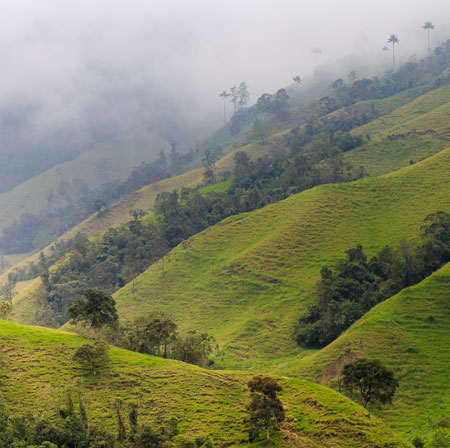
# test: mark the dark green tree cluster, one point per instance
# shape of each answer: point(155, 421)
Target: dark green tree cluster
point(355, 284)
point(157, 335)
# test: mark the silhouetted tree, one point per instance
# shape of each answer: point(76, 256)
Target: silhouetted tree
point(297, 80)
point(224, 94)
point(428, 26)
point(394, 40)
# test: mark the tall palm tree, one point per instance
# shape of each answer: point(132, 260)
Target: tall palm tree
point(394, 40)
point(385, 49)
point(428, 26)
point(224, 94)
point(298, 80)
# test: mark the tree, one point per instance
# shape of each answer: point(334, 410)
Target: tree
point(394, 40)
point(98, 309)
point(5, 309)
point(161, 331)
point(244, 96)
point(265, 408)
point(281, 103)
point(264, 104)
point(234, 94)
point(224, 94)
point(385, 49)
point(297, 80)
point(92, 356)
point(375, 382)
point(242, 164)
point(428, 26)
point(352, 76)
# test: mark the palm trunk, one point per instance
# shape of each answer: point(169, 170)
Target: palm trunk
point(267, 435)
point(428, 40)
point(224, 113)
point(393, 56)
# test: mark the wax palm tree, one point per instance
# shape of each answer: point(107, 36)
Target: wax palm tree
point(428, 26)
point(224, 94)
point(298, 80)
point(394, 40)
point(385, 49)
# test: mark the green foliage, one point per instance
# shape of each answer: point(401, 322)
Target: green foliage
point(5, 309)
point(355, 285)
point(265, 408)
point(98, 309)
point(93, 356)
point(375, 382)
point(157, 335)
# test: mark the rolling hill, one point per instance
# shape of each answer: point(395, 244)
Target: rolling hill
point(410, 333)
point(38, 371)
point(247, 279)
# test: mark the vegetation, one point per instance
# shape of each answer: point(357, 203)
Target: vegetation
point(206, 404)
point(98, 309)
point(355, 284)
point(157, 335)
point(92, 356)
point(265, 408)
point(375, 382)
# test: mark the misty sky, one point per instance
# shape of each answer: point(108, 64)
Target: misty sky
point(62, 56)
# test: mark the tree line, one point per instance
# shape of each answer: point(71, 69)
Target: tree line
point(355, 284)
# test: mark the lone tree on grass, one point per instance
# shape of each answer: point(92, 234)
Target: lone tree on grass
point(99, 309)
point(92, 356)
point(375, 382)
point(265, 408)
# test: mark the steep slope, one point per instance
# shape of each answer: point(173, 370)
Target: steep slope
point(410, 333)
point(39, 370)
point(247, 279)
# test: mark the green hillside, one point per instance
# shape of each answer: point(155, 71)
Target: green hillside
point(39, 371)
point(66, 183)
point(409, 332)
point(411, 133)
point(247, 279)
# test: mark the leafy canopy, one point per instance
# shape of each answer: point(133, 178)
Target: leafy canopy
point(375, 382)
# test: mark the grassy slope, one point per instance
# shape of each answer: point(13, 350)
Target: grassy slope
point(413, 132)
point(409, 332)
point(103, 164)
point(40, 370)
point(247, 279)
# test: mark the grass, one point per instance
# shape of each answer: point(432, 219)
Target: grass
point(408, 135)
point(39, 370)
point(410, 333)
point(247, 279)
